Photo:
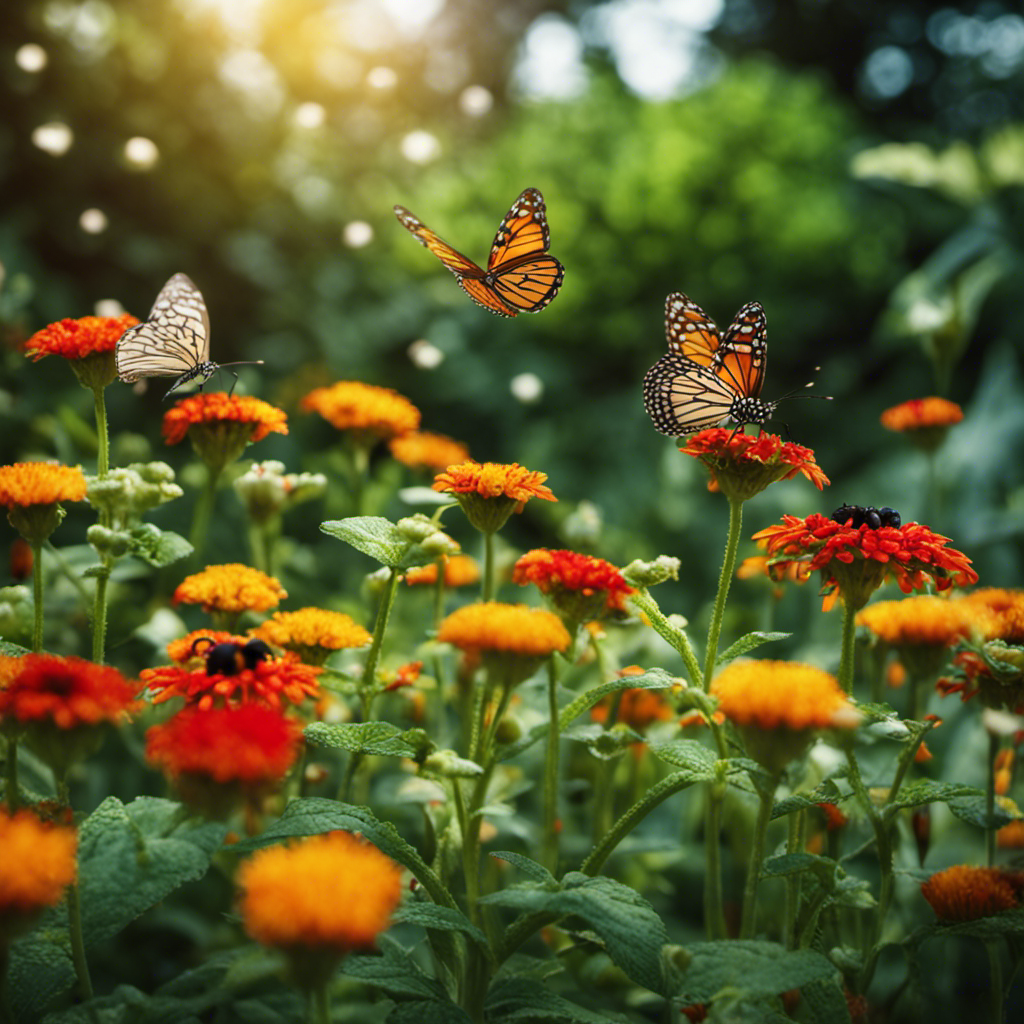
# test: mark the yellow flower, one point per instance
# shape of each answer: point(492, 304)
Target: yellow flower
point(32, 492)
point(965, 893)
point(424, 450)
point(490, 492)
point(231, 588)
point(459, 571)
point(378, 413)
point(37, 865)
point(318, 899)
point(927, 621)
point(313, 633)
point(505, 628)
point(1007, 605)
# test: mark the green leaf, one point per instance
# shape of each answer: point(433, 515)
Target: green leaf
point(652, 679)
point(1005, 923)
point(748, 968)
point(372, 535)
point(747, 643)
point(529, 1002)
point(974, 810)
point(823, 1002)
point(312, 816)
point(826, 792)
point(129, 859)
point(632, 932)
point(536, 871)
point(395, 972)
point(446, 919)
point(381, 738)
point(158, 547)
point(604, 743)
point(690, 755)
point(928, 791)
point(434, 1012)
point(9, 650)
point(824, 868)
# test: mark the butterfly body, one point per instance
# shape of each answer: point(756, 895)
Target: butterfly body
point(520, 276)
point(174, 341)
point(708, 377)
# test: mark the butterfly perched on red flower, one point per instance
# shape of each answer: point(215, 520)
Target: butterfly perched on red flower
point(520, 277)
point(707, 376)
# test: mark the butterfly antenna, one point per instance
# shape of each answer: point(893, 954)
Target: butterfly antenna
point(246, 362)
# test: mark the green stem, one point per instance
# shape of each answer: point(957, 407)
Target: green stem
point(204, 512)
point(656, 795)
point(488, 583)
point(764, 813)
point(794, 844)
point(990, 801)
point(387, 599)
point(642, 600)
point(37, 597)
point(78, 943)
point(714, 909)
point(320, 1004)
point(550, 858)
point(69, 574)
point(724, 582)
point(846, 658)
point(995, 981)
point(102, 433)
point(99, 613)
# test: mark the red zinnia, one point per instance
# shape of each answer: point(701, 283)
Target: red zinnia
point(77, 339)
point(580, 587)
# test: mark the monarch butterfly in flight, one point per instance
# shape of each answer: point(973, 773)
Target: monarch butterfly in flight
point(708, 377)
point(520, 277)
point(173, 341)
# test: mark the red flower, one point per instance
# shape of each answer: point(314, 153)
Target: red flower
point(857, 560)
point(77, 339)
point(580, 587)
point(271, 683)
point(742, 465)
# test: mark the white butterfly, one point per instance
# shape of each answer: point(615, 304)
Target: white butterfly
point(173, 341)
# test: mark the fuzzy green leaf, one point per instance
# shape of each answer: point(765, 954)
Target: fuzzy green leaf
point(755, 969)
point(9, 650)
point(1006, 923)
point(434, 1012)
point(536, 871)
point(632, 932)
point(372, 535)
point(927, 791)
point(445, 919)
point(823, 1002)
point(380, 738)
point(747, 643)
point(158, 547)
point(826, 792)
point(395, 972)
point(690, 755)
point(526, 1001)
point(974, 810)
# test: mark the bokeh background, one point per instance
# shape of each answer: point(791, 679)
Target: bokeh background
point(857, 168)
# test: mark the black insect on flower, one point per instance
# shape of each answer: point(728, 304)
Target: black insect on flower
point(230, 658)
point(867, 515)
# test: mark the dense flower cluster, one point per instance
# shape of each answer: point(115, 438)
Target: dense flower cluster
point(1008, 608)
point(424, 450)
point(255, 417)
point(189, 650)
point(232, 588)
point(742, 465)
point(927, 621)
point(580, 586)
point(857, 560)
point(964, 893)
point(490, 492)
point(40, 483)
point(508, 628)
point(365, 408)
point(283, 900)
point(312, 633)
point(77, 339)
point(37, 865)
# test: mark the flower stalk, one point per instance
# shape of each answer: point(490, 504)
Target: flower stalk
point(766, 799)
point(724, 581)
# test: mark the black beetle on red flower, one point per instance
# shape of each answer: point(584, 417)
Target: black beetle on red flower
point(229, 658)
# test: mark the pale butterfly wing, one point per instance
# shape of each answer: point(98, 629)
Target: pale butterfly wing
point(174, 341)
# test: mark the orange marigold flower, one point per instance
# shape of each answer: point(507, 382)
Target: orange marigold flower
point(40, 483)
point(66, 692)
point(580, 586)
point(925, 621)
point(742, 465)
point(250, 745)
point(272, 683)
point(965, 893)
point(232, 588)
point(1007, 605)
point(857, 560)
point(638, 708)
point(187, 651)
point(424, 450)
point(283, 888)
point(312, 633)
point(782, 695)
point(506, 628)
point(376, 413)
point(922, 413)
point(77, 339)
point(459, 571)
point(1011, 836)
point(259, 418)
point(38, 864)
point(490, 492)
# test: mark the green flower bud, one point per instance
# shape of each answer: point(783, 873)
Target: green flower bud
point(648, 574)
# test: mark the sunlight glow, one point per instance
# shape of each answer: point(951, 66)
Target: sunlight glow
point(381, 78)
point(31, 58)
point(420, 147)
point(239, 17)
point(475, 100)
point(526, 388)
point(309, 115)
point(252, 74)
point(141, 153)
point(108, 307)
point(411, 17)
point(54, 138)
point(550, 63)
point(93, 221)
point(424, 355)
point(356, 234)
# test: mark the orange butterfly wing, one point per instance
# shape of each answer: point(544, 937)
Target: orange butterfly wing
point(691, 333)
point(520, 276)
point(743, 355)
